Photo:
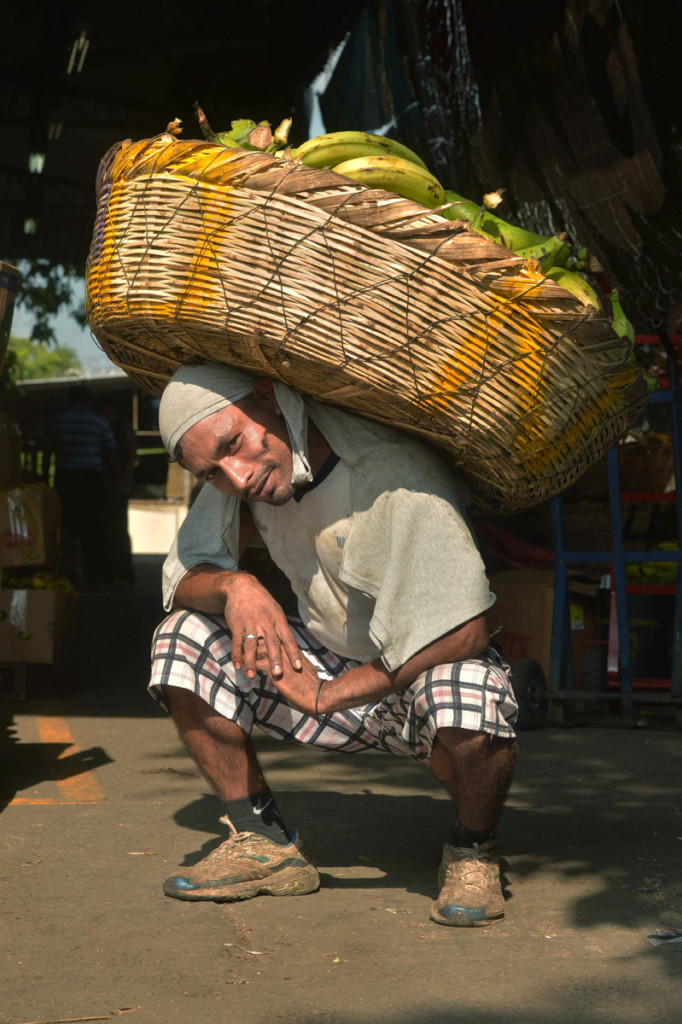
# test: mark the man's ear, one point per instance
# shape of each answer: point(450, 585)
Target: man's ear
point(264, 396)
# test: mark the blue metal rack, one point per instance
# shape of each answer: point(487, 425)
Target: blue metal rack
point(560, 684)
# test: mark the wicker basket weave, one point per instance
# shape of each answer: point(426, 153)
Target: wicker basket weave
point(359, 298)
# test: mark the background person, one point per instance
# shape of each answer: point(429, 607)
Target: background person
point(86, 459)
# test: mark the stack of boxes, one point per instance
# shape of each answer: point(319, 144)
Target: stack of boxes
point(36, 603)
point(524, 607)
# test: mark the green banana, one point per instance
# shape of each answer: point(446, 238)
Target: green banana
point(585, 260)
point(395, 175)
point(336, 147)
point(381, 162)
point(620, 323)
point(553, 252)
point(463, 209)
point(490, 225)
point(624, 329)
point(575, 284)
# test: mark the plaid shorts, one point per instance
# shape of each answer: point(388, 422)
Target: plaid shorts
point(193, 650)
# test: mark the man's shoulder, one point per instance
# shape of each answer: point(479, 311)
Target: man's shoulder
point(408, 470)
point(385, 458)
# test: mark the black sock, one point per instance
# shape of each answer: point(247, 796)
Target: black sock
point(460, 835)
point(258, 813)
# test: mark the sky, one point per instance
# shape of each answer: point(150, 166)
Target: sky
point(68, 332)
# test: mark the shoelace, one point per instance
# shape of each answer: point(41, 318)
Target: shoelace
point(470, 867)
point(471, 872)
point(235, 835)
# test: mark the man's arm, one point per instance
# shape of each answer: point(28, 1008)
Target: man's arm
point(372, 681)
point(248, 608)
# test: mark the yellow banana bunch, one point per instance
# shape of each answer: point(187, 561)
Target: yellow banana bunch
point(42, 579)
point(336, 147)
point(395, 174)
point(654, 572)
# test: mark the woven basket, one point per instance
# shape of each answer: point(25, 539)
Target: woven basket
point(359, 298)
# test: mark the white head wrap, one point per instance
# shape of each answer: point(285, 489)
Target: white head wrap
point(195, 392)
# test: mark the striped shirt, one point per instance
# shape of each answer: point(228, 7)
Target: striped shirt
point(78, 436)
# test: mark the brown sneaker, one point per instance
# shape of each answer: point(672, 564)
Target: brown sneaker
point(470, 886)
point(246, 865)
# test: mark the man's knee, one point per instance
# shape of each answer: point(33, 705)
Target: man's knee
point(460, 750)
point(453, 748)
point(185, 704)
point(193, 715)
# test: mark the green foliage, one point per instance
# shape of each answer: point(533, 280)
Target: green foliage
point(44, 288)
point(9, 375)
point(31, 360)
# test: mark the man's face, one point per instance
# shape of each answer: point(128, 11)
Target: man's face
point(243, 450)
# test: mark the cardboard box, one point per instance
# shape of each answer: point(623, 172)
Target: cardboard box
point(29, 525)
point(36, 626)
point(10, 452)
point(524, 606)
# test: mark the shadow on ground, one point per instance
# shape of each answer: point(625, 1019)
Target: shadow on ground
point(600, 807)
point(105, 674)
point(27, 764)
point(591, 808)
point(583, 1007)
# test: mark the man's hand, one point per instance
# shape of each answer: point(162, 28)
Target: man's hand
point(372, 681)
point(259, 627)
point(262, 641)
point(298, 686)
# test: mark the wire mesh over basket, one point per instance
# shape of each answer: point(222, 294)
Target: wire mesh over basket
point(359, 298)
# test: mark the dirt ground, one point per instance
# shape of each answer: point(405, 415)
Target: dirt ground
point(100, 803)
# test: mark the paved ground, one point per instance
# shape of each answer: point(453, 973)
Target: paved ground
point(101, 803)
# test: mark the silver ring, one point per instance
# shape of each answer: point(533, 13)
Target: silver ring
point(250, 636)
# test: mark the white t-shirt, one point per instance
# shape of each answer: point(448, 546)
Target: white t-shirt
point(306, 539)
point(379, 554)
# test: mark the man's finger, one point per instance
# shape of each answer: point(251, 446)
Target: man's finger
point(237, 630)
point(291, 647)
point(250, 647)
point(274, 649)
